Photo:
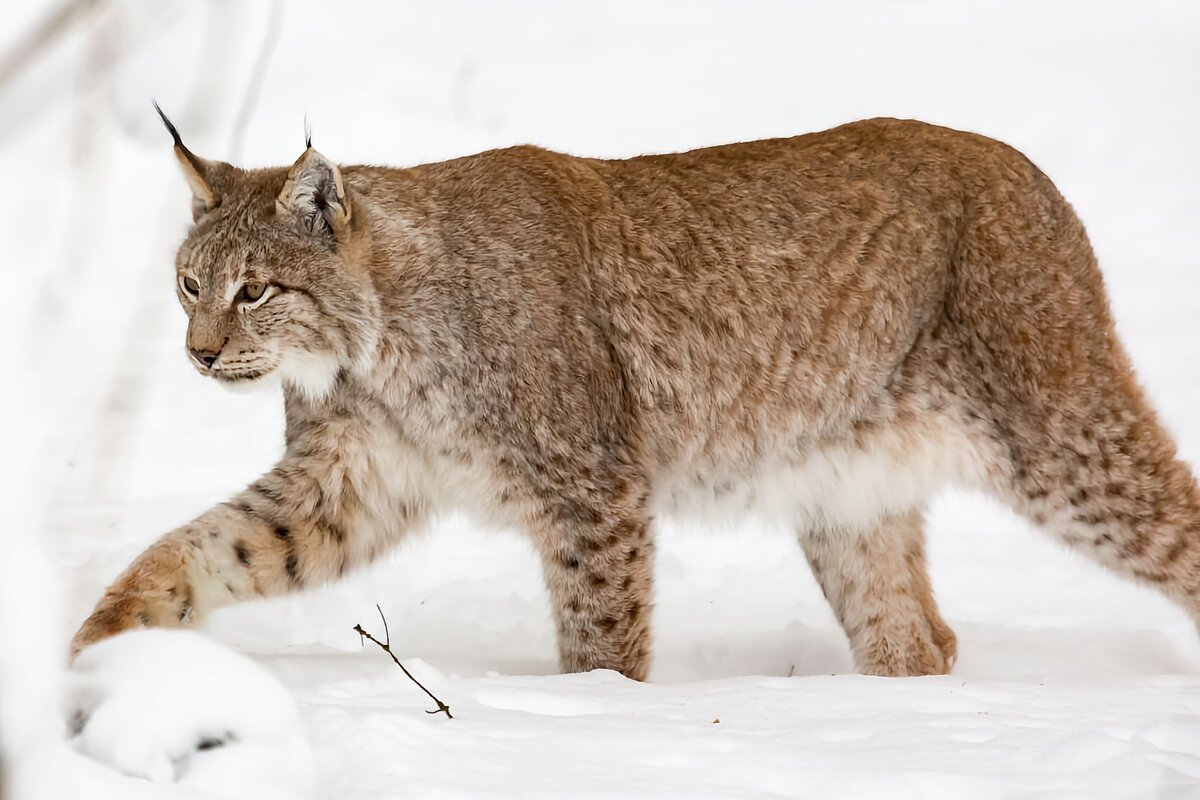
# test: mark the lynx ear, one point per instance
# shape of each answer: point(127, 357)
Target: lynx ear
point(197, 171)
point(315, 194)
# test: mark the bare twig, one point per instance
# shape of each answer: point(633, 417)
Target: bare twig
point(386, 646)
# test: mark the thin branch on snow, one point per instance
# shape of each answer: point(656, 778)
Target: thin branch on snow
point(386, 646)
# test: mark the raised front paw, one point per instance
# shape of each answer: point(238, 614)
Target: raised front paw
point(153, 592)
point(114, 614)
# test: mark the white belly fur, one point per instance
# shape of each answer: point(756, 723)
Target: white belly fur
point(844, 485)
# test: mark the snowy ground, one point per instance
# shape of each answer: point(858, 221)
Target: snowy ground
point(1071, 683)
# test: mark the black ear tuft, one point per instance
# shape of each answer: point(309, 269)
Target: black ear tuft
point(170, 125)
point(307, 132)
point(197, 171)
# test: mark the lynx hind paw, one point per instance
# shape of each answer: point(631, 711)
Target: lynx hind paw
point(929, 649)
point(173, 707)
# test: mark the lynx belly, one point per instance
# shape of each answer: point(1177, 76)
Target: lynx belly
point(846, 484)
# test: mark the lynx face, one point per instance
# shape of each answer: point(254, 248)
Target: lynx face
point(267, 278)
point(254, 303)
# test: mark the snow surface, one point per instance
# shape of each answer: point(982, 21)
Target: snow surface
point(1070, 684)
point(175, 707)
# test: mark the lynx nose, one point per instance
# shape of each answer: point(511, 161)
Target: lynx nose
point(205, 357)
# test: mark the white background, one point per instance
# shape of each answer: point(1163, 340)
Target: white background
point(1070, 681)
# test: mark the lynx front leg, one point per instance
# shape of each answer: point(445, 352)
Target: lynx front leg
point(307, 521)
point(599, 574)
point(875, 579)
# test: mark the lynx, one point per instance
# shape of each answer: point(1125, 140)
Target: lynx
point(829, 328)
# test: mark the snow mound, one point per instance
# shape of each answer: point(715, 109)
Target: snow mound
point(174, 707)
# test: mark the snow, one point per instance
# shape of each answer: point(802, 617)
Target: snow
point(175, 707)
point(1070, 682)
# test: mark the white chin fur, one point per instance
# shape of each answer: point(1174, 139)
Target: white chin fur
point(310, 373)
point(268, 381)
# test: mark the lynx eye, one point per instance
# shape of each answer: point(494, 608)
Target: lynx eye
point(252, 292)
point(190, 287)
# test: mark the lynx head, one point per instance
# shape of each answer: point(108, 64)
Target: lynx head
point(272, 273)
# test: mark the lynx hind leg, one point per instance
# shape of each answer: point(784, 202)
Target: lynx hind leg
point(1108, 484)
point(876, 582)
point(1077, 447)
point(598, 569)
